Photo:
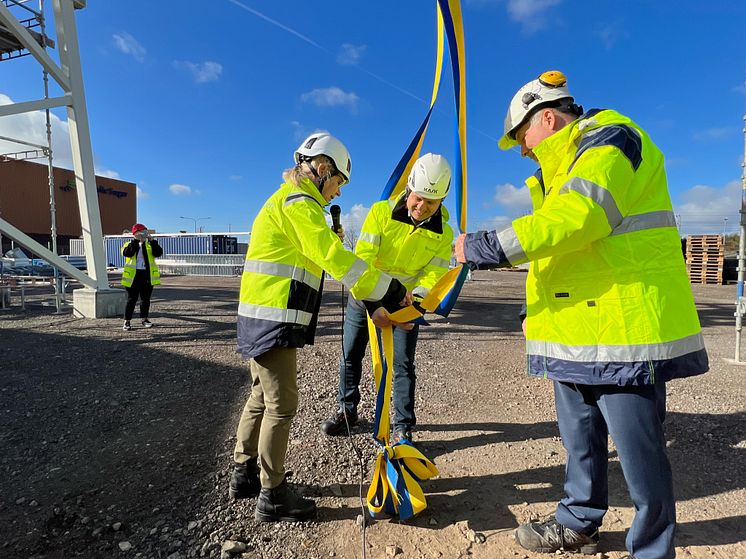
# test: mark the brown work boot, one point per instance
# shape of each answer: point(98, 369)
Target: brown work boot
point(336, 425)
point(282, 503)
point(550, 536)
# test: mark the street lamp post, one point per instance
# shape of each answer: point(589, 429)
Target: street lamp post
point(194, 219)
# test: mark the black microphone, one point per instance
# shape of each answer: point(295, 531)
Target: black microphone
point(336, 211)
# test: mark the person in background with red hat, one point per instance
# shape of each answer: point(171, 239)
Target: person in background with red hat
point(140, 273)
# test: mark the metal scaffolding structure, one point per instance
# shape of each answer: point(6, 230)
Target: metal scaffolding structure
point(740, 299)
point(19, 37)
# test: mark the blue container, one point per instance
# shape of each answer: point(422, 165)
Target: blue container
point(171, 244)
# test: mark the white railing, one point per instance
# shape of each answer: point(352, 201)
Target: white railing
point(221, 265)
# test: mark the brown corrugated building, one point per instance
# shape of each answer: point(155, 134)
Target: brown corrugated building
point(24, 203)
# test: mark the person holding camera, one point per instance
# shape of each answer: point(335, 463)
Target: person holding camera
point(140, 273)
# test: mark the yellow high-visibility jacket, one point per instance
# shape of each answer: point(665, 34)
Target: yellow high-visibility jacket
point(130, 250)
point(608, 298)
point(290, 247)
point(416, 256)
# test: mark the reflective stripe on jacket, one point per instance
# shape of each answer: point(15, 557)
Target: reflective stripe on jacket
point(290, 247)
point(417, 257)
point(130, 263)
point(607, 294)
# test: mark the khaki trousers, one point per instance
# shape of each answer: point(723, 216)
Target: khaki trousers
point(264, 427)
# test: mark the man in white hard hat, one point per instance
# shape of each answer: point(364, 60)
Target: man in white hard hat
point(291, 245)
point(408, 238)
point(610, 316)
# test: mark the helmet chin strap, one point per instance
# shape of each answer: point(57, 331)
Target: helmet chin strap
point(321, 180)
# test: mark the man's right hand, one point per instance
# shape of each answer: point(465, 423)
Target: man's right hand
point(459, 248)
point(408, 299)
point(381, 318)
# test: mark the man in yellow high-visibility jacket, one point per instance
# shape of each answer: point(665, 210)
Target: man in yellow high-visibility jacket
point(610, 316)
point(409, 239)
point(291, 245)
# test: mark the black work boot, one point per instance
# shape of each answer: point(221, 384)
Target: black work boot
point(282, 503)
point(336, 425)
point(550, 536)
point(244, 481)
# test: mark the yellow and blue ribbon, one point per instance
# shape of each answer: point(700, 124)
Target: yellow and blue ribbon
point(450, 24)
point(395, 487)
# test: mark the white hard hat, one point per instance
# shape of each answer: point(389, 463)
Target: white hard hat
point(323, 143)
point(549, 90)
point(430, 177)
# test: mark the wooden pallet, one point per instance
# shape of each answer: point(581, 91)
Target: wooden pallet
point(706, 276)
point(704, 239)
point(705, 258)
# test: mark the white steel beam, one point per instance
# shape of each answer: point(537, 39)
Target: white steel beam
point(40, 105)
point(64, 266)
point(22, 34)
point(80, 143)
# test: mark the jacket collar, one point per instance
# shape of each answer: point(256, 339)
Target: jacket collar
point(401, 214)
point(308, 186)
point(552, 150)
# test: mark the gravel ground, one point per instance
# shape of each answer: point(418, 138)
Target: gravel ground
point(119, 444)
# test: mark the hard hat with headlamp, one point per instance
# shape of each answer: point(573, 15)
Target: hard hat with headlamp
point(323, 143)
point(430, 177)
point(549, 90)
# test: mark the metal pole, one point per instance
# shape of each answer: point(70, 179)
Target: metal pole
point(740, 301)
point(50, 168)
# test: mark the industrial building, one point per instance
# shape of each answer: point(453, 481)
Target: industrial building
point(25, 203)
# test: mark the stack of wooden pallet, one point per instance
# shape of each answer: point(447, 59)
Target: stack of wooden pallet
point(704, 258)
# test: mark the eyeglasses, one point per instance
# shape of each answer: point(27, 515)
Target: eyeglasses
point(342, 179)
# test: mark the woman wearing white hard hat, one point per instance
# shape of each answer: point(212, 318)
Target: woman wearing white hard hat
point(290, 248)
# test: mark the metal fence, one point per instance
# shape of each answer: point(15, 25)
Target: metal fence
point(172, 244)
point(222, 265)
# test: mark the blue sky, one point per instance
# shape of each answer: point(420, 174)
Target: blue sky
point(203, 103)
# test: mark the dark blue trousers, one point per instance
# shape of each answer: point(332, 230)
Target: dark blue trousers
point(633, 416)
point(351, 366)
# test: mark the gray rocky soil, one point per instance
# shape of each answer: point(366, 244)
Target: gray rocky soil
point(119, 444)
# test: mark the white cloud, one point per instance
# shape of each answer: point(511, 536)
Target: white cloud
point(530, 13)
point(349, 55)
point(202, 72)
point(513, 198)
point(610, 34)
point(331, 97)
point(235, 177)
point(141, 194)
point(716, 133)
point(127, 44)
point(104, 172)
point(355, 217)
point(352, 221)
point(180, 190)
point(497, 223)
point(31, 127)
point(708, 209)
